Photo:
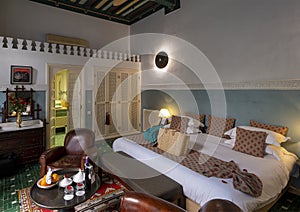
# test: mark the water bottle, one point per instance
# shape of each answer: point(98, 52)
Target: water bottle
point(87, 173)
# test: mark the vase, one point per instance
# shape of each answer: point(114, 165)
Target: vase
point(19, 119)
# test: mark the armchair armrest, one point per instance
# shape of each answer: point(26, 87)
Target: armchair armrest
point(50, 156)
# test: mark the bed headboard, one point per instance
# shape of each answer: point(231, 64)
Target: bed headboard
point(150, 118)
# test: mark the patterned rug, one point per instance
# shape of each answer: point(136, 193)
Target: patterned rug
point(109, 188)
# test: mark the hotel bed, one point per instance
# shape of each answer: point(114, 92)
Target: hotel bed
point(273, 169)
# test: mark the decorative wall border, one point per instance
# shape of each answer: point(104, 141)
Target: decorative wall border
point(60, 49)
point(285, 84)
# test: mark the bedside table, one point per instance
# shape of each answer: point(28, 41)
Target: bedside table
point(295, 181)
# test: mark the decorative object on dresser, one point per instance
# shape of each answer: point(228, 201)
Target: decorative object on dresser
point(21, 101)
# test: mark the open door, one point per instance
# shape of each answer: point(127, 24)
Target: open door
point(72, 74)
point(74, 100)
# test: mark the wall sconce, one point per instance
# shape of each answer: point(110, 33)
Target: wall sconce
point(164, 114)
point(161, 60)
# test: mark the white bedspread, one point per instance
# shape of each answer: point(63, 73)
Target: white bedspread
point(273, 173)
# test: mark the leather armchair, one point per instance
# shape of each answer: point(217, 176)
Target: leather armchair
point(77, 145)
point(219, 205)
point(136, 202)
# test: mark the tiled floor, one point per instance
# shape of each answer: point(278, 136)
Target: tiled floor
point(9, 186)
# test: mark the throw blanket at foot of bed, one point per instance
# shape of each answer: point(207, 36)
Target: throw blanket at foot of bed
point(209, 166)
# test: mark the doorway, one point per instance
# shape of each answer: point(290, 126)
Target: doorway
point(62, 81)
point(61, 106)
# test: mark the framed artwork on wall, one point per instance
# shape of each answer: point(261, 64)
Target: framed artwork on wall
point(20, 74)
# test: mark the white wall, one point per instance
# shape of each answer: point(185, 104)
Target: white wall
point(245, 40)
point(31, 20)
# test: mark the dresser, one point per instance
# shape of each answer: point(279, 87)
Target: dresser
point(27, 142)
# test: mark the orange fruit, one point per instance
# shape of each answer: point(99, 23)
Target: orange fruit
point(55, 178)
point(44, 179)
point(43, 182)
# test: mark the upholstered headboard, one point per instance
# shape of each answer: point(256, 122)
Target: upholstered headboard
point(150, 118)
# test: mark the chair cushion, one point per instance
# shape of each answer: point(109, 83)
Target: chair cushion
point(67, 161)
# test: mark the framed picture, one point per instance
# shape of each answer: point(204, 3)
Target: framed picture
point(21, 74)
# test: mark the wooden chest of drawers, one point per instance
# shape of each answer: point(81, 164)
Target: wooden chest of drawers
point(27, 142)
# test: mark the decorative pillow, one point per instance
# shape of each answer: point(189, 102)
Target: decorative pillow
point(173, 142)
point(250, 142)
point(272, 137)
point(217, 126)
point(279, 129)
point(179, 123)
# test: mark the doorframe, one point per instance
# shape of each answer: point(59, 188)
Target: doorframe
point(52, 69)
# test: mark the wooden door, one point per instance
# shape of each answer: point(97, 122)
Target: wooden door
point(74, 100)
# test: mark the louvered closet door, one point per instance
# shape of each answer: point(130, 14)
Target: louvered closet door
point(128, 103)
point(111, 106)
point(116, 95)
point(135, 102)
point(100, 104)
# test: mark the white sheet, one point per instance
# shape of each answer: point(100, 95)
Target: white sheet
point(273, 173)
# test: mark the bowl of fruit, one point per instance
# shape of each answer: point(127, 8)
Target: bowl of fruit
point(42, 183)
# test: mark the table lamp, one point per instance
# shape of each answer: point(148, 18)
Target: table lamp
point(164, 114)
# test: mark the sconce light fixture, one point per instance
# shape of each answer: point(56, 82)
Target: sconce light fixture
point(164, 114)
point(161, 60)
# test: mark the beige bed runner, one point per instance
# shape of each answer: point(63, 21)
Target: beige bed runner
point(210, 166)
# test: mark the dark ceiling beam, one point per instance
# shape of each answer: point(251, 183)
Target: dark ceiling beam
point(96, 2)
point(166, 3)
point(129, 12)
point(90, 3)
point(145, 11)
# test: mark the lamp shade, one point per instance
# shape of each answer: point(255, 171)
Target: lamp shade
point(164, 113)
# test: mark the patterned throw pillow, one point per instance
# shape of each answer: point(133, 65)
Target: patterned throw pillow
point(179, 123)
point(218, 126)
point(279, 129)
point(250, 142)
point(199, 117)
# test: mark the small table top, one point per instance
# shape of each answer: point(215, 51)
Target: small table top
point(53, 198)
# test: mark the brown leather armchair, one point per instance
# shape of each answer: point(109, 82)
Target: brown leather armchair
point(219, 205)
point(78, 143)
point(136, 202)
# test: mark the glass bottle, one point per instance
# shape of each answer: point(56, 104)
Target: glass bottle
point(87, 173)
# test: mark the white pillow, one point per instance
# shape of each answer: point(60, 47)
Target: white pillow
point(278, 152)
point(195, 123)
point(272, 138)
point(192, 130)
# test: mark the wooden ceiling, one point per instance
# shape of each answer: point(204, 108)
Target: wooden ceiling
point(122, 11)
